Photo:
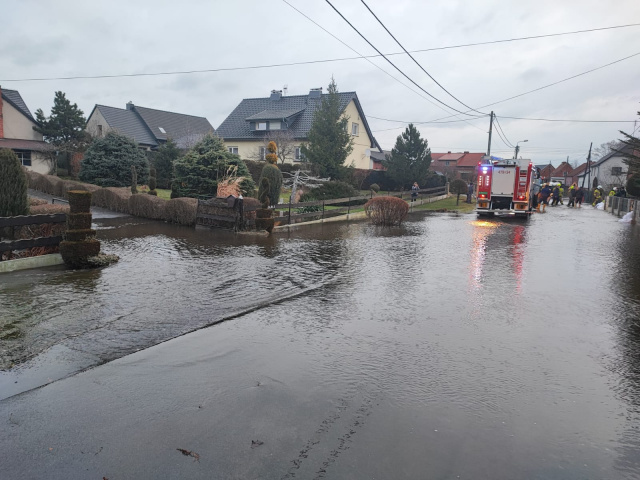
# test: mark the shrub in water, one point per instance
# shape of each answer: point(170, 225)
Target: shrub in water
point(13, 185)
point(386, 211)
point(264, 220)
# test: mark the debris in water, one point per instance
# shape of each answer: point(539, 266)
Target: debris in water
point(189, 453)
point(256, 443)
point(628, 217)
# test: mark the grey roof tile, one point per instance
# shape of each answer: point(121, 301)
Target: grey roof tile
point(128, 123)
point(175, 125)
point(237, 126)
point(271, 114)
point(14, 98)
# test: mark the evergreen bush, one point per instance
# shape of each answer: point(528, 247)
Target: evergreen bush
point(458, 187)
point(633, 185)
point(271, 172)
point(198, 171)
point(13, 185)
point(108, 161)
point(264, 220)
point(134, 180)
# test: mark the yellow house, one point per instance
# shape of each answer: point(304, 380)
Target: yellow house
point(17, 133)
point(288, 119)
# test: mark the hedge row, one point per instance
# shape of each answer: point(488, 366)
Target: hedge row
point(177, 210)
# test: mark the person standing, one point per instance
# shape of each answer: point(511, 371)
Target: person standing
point(556, 196)
point(469, 192)
point(545, 193)
point(572, 196)
point(579, 197)
point(414, 191)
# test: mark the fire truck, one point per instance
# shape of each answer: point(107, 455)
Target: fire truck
point(504, 187)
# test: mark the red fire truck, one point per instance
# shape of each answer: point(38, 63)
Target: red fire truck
point(504, 187)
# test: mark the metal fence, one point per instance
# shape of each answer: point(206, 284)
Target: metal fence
point(620, 206)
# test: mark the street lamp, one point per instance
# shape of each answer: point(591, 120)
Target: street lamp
point(518, 147)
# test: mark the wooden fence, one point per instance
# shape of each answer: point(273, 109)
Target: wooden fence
point(20, 221)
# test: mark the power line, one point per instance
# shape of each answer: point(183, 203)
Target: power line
point(308, 62)
point(416, 62)
point(507, 141)
point(367, 59)
point(393, 64)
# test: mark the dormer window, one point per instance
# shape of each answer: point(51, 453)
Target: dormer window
point(261, 125)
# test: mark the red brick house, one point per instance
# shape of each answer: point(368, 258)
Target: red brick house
point(457, 165)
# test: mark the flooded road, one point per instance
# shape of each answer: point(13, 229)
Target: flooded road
point(447, 348)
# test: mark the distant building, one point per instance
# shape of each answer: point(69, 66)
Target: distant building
point(17, 133)
point(457, 165)
point(245, 129)
point(148, 127)
point(563, 173)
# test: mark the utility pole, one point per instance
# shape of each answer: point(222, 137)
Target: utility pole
point(588, 172)
point(490, 130)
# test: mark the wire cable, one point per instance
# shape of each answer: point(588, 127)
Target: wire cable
point(510, 144)
point(418, 63)
point(393, 64)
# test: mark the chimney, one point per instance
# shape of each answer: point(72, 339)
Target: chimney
point(315, 93)
point(466, 152)
point(1, 117)
point(449, 151)
point(129, 105)
point(276, 94)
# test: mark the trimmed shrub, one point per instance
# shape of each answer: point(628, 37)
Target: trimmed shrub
point(33, 201)
point(79, 201)
point(79, 235)
point(75, 254)
point(48, 209)
point(147, 206)
point(111, 198)
point(386, 211)
point(274, 176)
point(13, 185)
point(78, 221)
point(134, 180)
point(263, 192)
point(374, 187)
point(329, 191)
point(152, 182)
point(181, 210)
point(108, 161)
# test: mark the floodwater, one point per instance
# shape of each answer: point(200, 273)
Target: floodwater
point(448, 348)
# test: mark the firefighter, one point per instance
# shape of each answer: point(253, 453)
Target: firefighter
point(544, 193)
point(561, 189)
point(556, 196)
point(613, 191)
point(597, 197)
point(572, 196)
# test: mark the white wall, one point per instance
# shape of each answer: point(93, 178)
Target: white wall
point(16, 125)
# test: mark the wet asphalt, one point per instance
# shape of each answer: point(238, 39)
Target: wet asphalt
point(451, 347)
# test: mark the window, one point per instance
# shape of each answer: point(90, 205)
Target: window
point(233, 150)
point(263, 153)
point(261, 125)
point(24, 156)
point(299, 156)
point(100, 131)
point(616, 170)
point(162, 130)
point(354, 129)
point(446, 164)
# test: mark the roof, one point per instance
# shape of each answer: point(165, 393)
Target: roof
point(579, 170)
point(144, 124)
point(379, 156)
point(450, 156)
point(470, 159)
point(128, 123)
point(19, 144)
point(175, 125)
point(561, 169)
point(271, 114)
point(14, 98)
point(461, 159)
point(237, 125)
point(625, 150)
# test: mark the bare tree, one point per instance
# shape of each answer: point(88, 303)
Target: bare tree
point(605, 149)
point(285, 142)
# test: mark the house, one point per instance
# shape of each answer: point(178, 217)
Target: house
point(377, 157)
point(577, 174)
point(255, 120)
point(563, 173)
point(457, 165)
point(609, 171)
point(17, 133)
point(149, 127)
point(546, 169)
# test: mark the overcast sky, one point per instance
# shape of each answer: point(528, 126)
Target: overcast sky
point(67, 38)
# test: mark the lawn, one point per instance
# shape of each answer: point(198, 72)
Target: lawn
point(449, 204)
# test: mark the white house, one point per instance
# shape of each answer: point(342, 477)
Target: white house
point(609, 171)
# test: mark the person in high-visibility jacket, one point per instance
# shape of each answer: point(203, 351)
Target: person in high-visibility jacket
point(597, 197)
point(612, 193)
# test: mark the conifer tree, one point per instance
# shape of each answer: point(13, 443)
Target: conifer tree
point(13, 185)
point(329, 141)
point(163, 161)
point(410, 158)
